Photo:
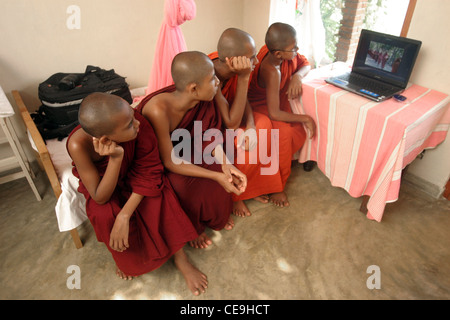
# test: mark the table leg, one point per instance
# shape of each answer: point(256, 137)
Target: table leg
point(309, 165)
point(363, 207)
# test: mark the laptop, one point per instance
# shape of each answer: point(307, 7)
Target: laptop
point(382, 66)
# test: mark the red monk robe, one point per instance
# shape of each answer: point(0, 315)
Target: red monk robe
point(159, 227)
point(292, 135)
point(205, 201)
point(257, 184)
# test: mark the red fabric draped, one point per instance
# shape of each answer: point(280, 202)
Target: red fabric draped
point(205, 201)
point(170, 41)
point(159, 227)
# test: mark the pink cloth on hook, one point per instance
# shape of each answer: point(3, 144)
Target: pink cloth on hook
point(170, 41)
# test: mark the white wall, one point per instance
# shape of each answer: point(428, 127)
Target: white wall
point(431, 25)
point(256, 19)
point(35, 42)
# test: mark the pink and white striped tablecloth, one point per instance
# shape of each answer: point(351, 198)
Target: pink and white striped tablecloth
point(362, 146)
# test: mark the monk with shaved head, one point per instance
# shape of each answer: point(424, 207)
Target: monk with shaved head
point(277, 78)
point(234, 61)
point(183, 114)
point(129, 200)
point(235, 42)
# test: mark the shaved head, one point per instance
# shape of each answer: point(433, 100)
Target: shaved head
point(279, 36)
point(190, 67)
point(234, 43)
point(97, 111)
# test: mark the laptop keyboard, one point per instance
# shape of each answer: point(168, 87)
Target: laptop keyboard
point(368, 84)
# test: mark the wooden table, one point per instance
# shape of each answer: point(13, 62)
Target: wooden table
point(362, 146)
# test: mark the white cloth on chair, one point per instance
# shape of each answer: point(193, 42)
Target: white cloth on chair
point(70, 207)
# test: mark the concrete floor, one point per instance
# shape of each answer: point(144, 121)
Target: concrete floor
point(319, 248)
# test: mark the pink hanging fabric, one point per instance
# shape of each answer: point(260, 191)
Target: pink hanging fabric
point(170, 42)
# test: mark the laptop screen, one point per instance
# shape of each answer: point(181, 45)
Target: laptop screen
point(385, 57)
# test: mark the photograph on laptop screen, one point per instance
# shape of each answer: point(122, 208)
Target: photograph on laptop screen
point(383, 56)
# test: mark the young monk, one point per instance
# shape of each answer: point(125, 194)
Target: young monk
point(129, 201)
point(187, 107)
point(234, 60)
point(276, 79)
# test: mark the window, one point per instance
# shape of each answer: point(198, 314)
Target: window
point(328, 30)
point(344, 19)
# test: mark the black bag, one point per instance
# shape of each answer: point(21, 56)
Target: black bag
point(62, 94)
point(50, 130)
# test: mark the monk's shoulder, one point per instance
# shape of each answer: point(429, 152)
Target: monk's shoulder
point(269, 71)
point(76, 140)
point(157, 108)
point(79, 143)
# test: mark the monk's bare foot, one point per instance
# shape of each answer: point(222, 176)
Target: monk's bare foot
point(230, 224)
point(263, 198)
point(201, 242)
point(240, 209)
point(122, 275)
point(279, 199)
point(196, 281)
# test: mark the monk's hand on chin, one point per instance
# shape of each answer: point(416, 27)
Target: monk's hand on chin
point(107, 147)
point(242, 65)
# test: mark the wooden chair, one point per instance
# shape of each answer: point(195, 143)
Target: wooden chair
point(43, 157)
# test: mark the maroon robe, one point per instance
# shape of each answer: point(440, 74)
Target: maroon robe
point(159, 227)
point(205, 201)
